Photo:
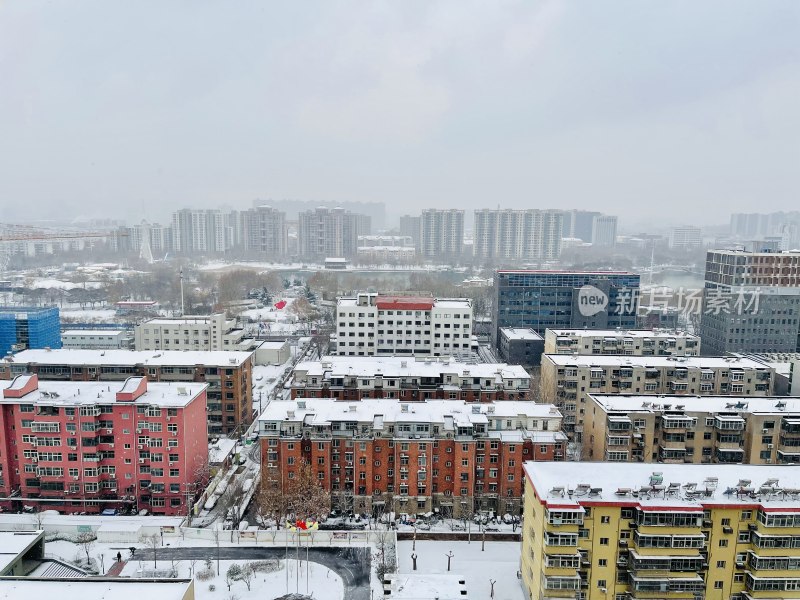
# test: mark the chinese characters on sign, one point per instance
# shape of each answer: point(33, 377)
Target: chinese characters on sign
point(690, 301)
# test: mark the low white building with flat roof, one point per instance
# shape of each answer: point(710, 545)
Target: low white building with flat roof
point(96, 339)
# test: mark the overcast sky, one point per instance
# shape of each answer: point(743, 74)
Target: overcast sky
point(665, 111)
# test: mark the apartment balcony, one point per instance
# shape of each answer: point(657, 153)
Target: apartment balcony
point(616, 424)
point(729, 444)
point(618, 442)
point(729, 423)
point(729, 455)
point(656, 587)
point(672, 455)
point(673, 444)
point(786, 456)
point(790, 428)
point(677, 422)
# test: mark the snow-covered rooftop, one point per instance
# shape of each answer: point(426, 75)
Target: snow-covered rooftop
point(12, 544)
point(94, 589)
point(219, 451)
point(96, 332)
point(415, 585)
point(73, 393)
point(520, 333)
point(711, 404)
point(272, 345)
point(187, 320)
point(619, 360)
point(319, 411)
point(398, 366)
point(173, 358)
point(625, 333)
point(681, 486)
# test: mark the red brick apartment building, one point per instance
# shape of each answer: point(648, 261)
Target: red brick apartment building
point(409, 379)
point(229, 375)
point(411, 457)
point(89, 446)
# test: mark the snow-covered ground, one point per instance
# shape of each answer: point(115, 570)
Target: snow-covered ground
point(499, 562)
point(245, 264)
point(313, 578)
point(88, 315)
point(309, 578)
point(459, 526)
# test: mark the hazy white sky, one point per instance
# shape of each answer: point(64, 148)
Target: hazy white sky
point(669, 111)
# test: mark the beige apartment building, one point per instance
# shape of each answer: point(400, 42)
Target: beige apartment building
point(192, 332)
point(677, 429)
point(567, 380)
point(631, 342)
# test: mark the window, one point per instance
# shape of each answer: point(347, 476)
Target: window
point(605, 519)
point(604, 541)
point(723, 543)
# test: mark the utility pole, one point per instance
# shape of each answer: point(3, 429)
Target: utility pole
point(183, 310)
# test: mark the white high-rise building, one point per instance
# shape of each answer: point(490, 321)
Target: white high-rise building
point(686, 237)
point(604, 231)
point(517, 234)
point(330, 233)
point(265, 230)
point(441, 233)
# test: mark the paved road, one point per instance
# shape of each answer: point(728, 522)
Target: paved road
point(351, 564)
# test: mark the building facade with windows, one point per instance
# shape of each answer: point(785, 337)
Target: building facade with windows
point(408, 380)
point(386, 455)
point(503, 235)
point(330, 232)
point(88, 446)
point(676, 429)
point(111, 339)
point(686, 237)
point(543, 300)
point(192, 332)
point(520, 346)
point(567, 380)
point(751, 302)
point(681, 531)
point(264, 230)
point(371, 324)
point(441, 234)
point(24, 327)
point(229, 375)
point(631, 342)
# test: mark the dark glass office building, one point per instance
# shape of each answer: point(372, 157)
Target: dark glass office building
point(564, 300)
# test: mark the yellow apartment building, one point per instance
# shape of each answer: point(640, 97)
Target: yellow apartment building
point(632, 342)
point(706, 429)
point(566, 380)
point(645, 532)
